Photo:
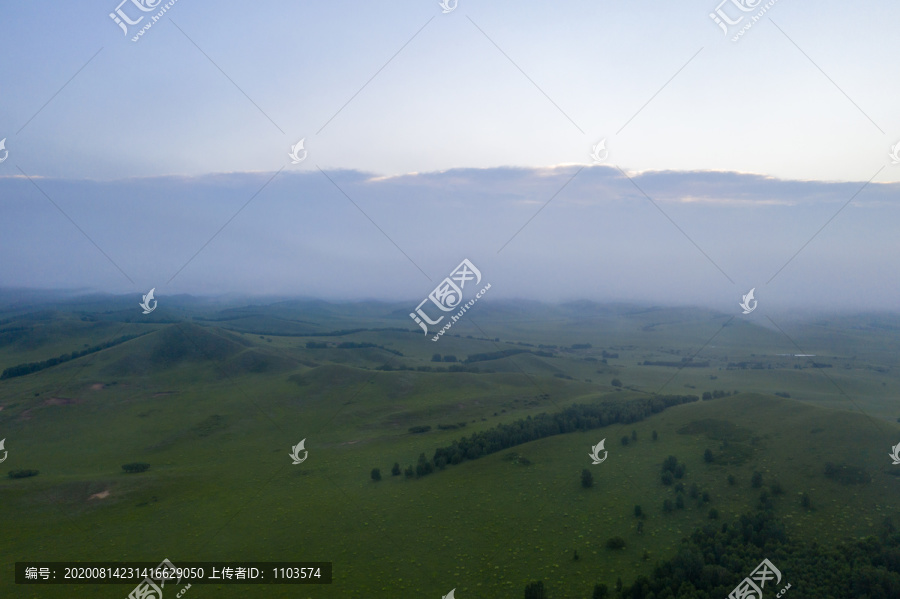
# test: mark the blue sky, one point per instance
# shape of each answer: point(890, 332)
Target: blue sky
point(150, 147)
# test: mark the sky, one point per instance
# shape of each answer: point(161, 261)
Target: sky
point(761, 161)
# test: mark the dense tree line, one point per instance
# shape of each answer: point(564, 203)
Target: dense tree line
point(581, 417)
point(714, 560)
point(496, 355)
point(685, 363)
point(23, 369)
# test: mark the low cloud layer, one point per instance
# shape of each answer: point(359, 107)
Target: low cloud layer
point(548, 234)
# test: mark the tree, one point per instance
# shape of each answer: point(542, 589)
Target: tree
point(449, 358)
point(707, 396)
point(615, 543)
point(679, 470)
point(713, 514)
point(634, 435)
point(655, 436)
point(679, 501)
point(669, 463)
point(694, 492)
point(135, 467)
point(667, 505)
point(731, 480)
point(600, 592)
point(409, 472)
point(616, 383)
point(776, 488)
point(638, 511)
point(640, 527)
point(756, 480)
point(535, 590)
point(376, 474)
point(805, 501)
point(587, 479)
point(575, 555)
point(436, 358)
point(667, 478)
point(395, 471)
point(624, 440)
point(708, 456)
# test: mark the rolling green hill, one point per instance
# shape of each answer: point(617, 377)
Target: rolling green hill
point(215, 411)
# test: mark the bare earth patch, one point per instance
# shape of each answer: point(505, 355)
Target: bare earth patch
point(102, 495)
point(60, 401)
point(97, 386)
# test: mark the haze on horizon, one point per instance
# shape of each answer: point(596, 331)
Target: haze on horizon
point(436, 137)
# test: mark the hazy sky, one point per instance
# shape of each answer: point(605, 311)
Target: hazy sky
point(450, 132)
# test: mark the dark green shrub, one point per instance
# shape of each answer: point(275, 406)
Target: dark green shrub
point(615, 543)
point(135, 467)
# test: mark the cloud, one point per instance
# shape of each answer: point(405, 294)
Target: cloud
point(541, 233)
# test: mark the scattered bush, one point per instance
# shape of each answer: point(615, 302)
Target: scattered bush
point(395, 471)
point(135, 467)
point(756, 480)
point(419, 429)
point(615, 543)
point(22, 473)
point(708, 456)
point(587, 479)
point(638, 511)
point(376, 474)
point(535, 590)
point(616, 383)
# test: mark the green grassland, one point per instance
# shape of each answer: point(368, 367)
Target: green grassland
point(213, 399)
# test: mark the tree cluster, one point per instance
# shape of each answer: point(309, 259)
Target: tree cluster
point(581, 417)
point(28, 368)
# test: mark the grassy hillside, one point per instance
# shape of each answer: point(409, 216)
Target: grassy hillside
point(215, 410)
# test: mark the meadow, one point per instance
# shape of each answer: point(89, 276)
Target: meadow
point(213, 398)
